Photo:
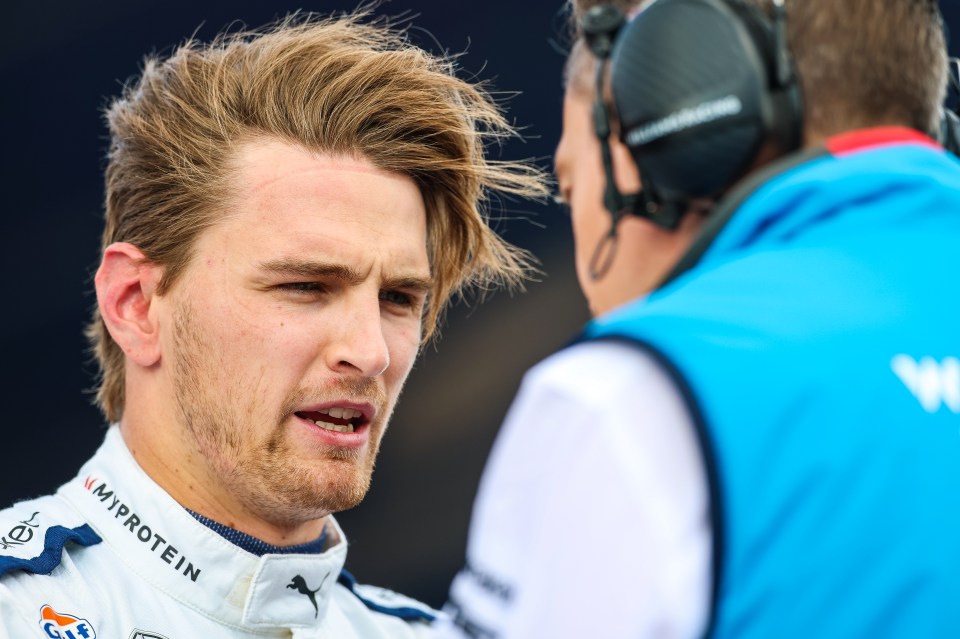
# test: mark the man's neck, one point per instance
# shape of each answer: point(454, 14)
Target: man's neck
point(192, 484)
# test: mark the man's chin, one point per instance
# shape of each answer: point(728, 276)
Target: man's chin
point(344, 492)
point(315, 482)
point(339, 486)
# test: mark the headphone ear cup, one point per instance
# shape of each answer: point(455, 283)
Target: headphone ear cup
point(692, 89)
point(949, 135)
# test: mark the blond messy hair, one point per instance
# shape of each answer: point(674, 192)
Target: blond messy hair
point(344, 85)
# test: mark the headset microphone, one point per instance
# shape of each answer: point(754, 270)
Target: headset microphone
point(699, 86)
point(601, 25)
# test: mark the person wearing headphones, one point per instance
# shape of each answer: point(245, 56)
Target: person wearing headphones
point(758, 434)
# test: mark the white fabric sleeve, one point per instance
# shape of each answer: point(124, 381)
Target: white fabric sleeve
point(592, 515)
point(12, 621)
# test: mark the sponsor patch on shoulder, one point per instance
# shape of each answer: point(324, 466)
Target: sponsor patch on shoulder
point(388, 602)
point(30, 541)
point(58, 625)
point(20, 532)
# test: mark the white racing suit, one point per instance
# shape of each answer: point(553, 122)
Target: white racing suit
point(112, 556)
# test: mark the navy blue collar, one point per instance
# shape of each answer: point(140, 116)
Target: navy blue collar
point(256, 546)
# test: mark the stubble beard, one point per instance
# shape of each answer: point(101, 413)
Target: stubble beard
point(265, 473)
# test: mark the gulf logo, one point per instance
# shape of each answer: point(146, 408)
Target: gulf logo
point(62, 626)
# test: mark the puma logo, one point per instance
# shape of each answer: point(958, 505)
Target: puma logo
point(299, 584)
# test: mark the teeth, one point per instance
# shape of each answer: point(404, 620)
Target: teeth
point(345, 428)
point(341, 413)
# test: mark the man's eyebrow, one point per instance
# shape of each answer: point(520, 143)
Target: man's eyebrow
point(410, 283)
point(312, 269)
point(309, 269)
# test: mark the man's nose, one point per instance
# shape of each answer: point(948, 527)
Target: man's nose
point(360, 347)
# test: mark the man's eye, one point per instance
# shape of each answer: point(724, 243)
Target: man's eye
point(397, 297)
point(303, 287)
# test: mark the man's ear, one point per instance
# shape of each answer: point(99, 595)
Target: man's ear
point(126, 286)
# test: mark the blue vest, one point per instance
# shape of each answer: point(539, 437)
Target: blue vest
point(817, 342)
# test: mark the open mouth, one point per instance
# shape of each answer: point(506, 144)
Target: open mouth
point(340, 420)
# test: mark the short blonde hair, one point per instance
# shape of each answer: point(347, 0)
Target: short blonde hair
point(345, 85)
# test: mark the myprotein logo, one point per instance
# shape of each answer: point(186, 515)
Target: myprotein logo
point(63, 626)
point(147, 535)
point(934, 383)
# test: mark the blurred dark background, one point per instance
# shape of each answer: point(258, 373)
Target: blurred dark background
point(63, 60)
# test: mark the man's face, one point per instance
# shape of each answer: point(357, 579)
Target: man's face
point(581, 179)
point(294, 328)
point(645, 252)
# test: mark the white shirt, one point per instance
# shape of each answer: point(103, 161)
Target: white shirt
point(146, 569)
point(592, 516)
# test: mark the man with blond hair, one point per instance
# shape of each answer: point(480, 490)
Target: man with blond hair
point(288, 211)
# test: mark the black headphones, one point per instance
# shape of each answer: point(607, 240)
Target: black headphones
point(949, 133)
point(698, 87)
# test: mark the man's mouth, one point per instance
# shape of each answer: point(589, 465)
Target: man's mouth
point(340, 420)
